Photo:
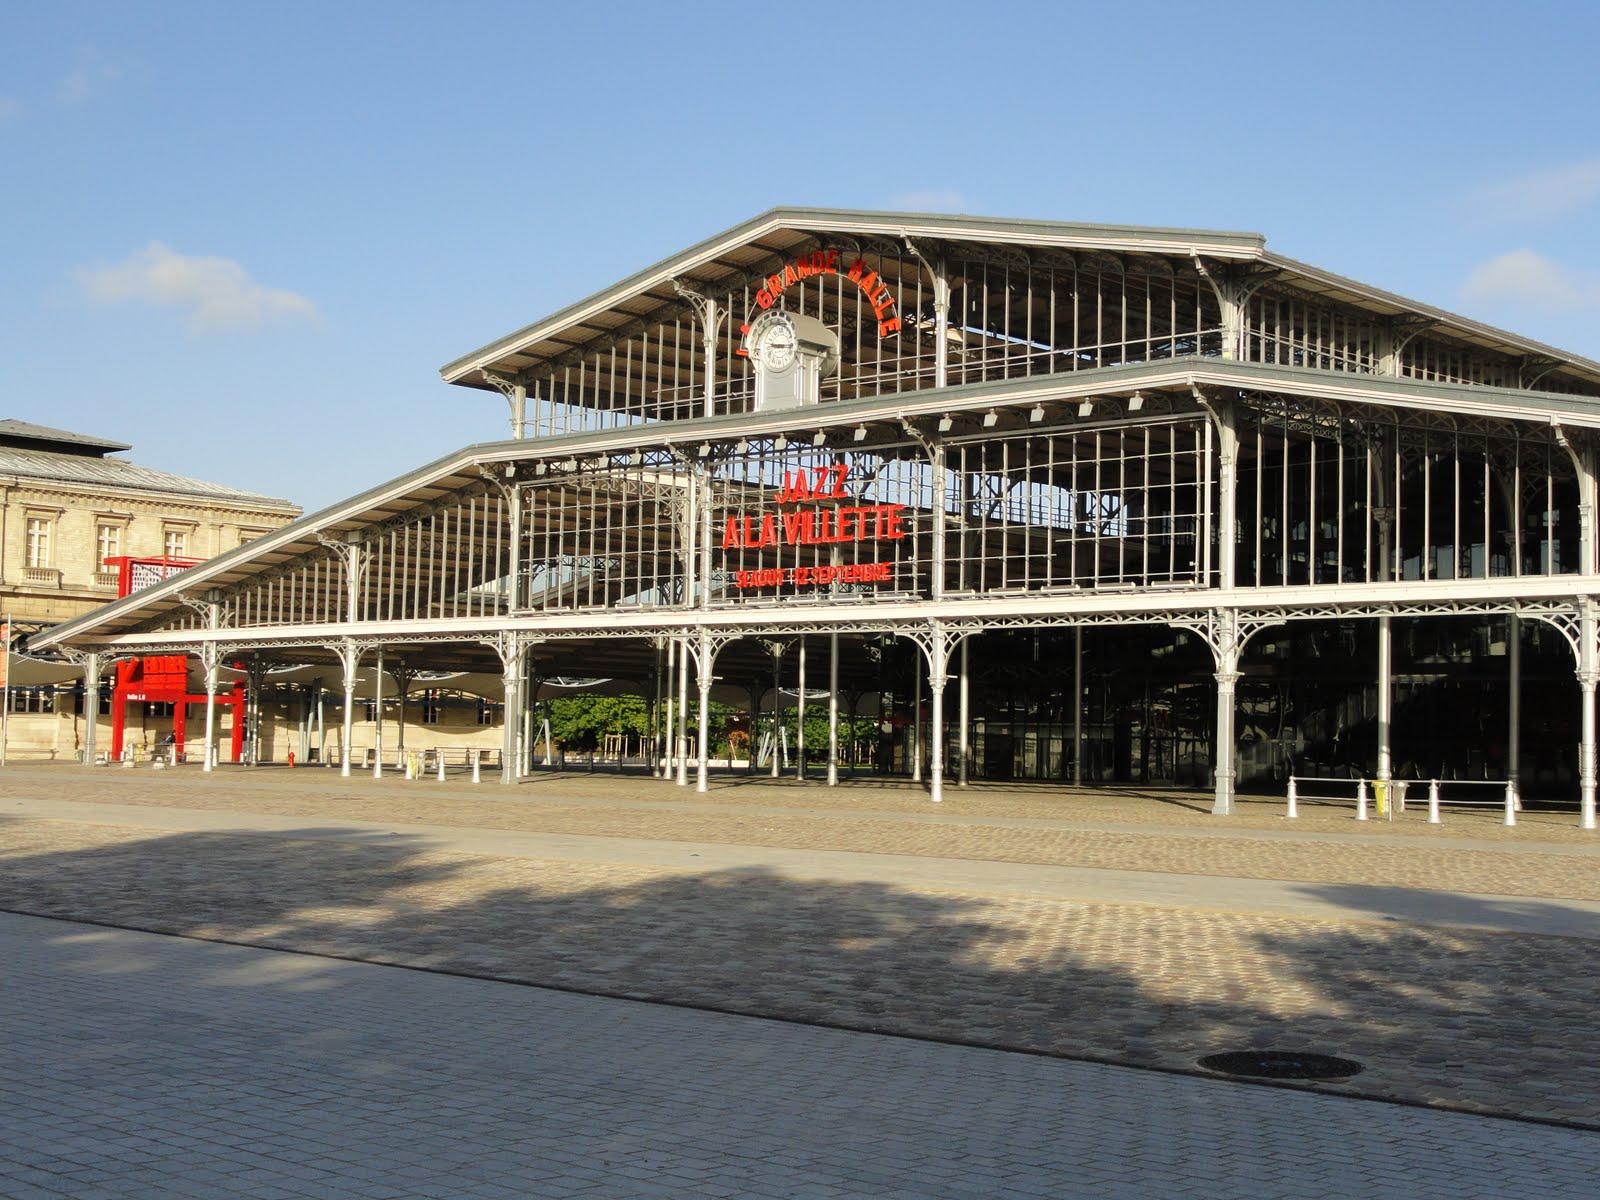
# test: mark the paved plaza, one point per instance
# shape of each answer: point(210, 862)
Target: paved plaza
point(148, 1066)
point(1093, 932)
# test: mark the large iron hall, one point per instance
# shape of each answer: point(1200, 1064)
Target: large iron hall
point(852, 495)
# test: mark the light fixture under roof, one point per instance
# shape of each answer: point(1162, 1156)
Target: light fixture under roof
point(861, 433)
point(1086, 409)
point(946, 422)
point(820, 439)
point(990, 418)
point(1135, 402)
point(705, 449)
point(780, 442)
point(1036, 414)
point(741, 447)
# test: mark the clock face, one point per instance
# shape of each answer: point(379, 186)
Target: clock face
point(778, 345)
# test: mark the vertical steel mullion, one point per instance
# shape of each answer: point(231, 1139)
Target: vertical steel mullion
point(1077, 339)
point(1285, 524)
point(1455, 514)
point(1005, 322)
point(499, 572)
point(1488, 507)
point(1172, 503)
point(1099, 318)
point(1370, 546)
point(1551, 567)
point(1149, 319)
point(403, 564)
point(1427, 508)
point(1094, 511)
point(436, 577)
point(980, 304)
point(1311, 508)
point(474, 593)
point(1394, 538)
point(1027, 326)
point(1516, 506)
point(624, 561)
point(1122, 350)
point(1074, 498)
point(452, 536)
point(1339, 518)
point(555, 518)
point(1052, 518)
point(408, 575)
point(1172, 318)
point(627, 382)
point(1144, 490)
point(1004, 507)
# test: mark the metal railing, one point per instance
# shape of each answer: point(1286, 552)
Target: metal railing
point(1388, 796)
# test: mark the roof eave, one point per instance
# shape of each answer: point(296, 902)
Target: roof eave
point(1462, 326)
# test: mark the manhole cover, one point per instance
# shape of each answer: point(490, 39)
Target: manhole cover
point(1281, 1064)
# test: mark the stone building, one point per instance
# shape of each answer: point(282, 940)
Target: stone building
point(68, 503)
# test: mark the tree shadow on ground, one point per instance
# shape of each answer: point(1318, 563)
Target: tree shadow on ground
point(1461, 1017)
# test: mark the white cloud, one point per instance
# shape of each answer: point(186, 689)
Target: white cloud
point(1528, 277)
point(941, 200)
point(90, 76)
point(1543, 195)
point(217, 293)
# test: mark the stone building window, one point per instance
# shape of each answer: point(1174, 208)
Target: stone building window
point(40, 530)
point(107, 543)
point(105, 701)
point(175, 543)
point(432, 707)
point(32, 700)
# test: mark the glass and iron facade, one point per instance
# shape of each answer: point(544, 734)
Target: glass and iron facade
point(1072, 503)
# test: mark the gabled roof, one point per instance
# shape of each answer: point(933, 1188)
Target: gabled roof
point(735, 252)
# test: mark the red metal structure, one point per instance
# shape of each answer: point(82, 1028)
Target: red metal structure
point(161, 679)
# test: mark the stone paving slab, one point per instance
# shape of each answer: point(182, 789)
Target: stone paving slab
point(229, 1071)
point(1545, 856)
point(1474, 1019)
point(1263, 897)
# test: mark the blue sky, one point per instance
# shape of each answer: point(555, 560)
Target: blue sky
point(244, 237)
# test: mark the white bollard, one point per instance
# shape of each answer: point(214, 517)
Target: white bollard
point(1433, 802)
point(1361, 800)
point(438, 756)
point(1511, 805)
point(476, 775)
point(1293, 811)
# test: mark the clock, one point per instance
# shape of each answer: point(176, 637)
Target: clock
point(778, 343)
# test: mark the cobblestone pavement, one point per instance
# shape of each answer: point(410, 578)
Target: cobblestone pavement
point(1468, 1018)
point(140, 1066)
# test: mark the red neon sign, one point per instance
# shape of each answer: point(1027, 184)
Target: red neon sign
point(824, 576)
point(814, 524)
point(826, 262)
